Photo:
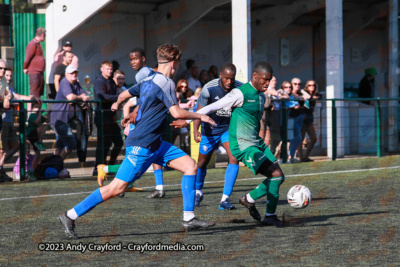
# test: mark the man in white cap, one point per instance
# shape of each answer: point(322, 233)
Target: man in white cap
point(70, 89)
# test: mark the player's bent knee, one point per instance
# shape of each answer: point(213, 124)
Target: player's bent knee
point(277, 173)
point(193, 168)
point(233, 160)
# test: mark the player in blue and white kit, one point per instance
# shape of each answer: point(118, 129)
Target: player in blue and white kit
point(144, 145)
point(211, 137)
point(138, 62)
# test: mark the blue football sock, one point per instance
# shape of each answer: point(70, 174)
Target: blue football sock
point(201, 174)
point(188, 192)
point(159, 177)
point(89, 203)
point(231, 174)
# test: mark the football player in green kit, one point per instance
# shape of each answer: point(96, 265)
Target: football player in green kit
point(247, 104)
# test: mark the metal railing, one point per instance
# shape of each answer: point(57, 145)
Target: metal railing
point(22, 128)
point(377, 106)
point(335, 104)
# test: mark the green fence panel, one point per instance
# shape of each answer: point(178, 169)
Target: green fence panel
point(25, 25)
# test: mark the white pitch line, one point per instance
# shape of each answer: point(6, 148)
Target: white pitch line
point(212, 182)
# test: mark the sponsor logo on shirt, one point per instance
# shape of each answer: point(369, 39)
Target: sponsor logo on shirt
point(224, 113)
point(251, 100)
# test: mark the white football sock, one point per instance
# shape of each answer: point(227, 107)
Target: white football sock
point(250, 199)
point(105, 169)
point(188, 215)
point(159, 187)
point(224, 198)
point(72, 214)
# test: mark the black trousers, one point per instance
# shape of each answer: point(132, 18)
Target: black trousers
point(111, 135)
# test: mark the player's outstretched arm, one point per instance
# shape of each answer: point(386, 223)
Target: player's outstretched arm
point(179, 113)
point(231, 100)
point(121, 98)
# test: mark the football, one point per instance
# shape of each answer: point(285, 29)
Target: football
point(299, 196)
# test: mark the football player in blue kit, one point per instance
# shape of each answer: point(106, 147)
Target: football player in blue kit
point(212, 136)
point(138, 63)
point(144, 145)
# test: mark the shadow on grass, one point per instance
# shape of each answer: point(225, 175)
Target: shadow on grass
point(247, 224)
point(302, 220)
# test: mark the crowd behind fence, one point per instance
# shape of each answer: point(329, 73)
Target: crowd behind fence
point(356, 129)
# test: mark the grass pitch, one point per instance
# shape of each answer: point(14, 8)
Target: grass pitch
point(353, 219)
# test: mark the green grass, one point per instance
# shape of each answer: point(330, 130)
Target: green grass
point(353, 219)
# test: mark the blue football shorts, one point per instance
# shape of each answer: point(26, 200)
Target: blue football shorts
point(210, 143)
point(138, 160)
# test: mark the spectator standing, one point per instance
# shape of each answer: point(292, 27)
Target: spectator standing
point(213, 73)
point(70, 89)
point(35, 64)
point(203, 77)
point(4, 88)
point(367, 85)
point(297, 114)
point(105, 89)
point(59, 72)
point(272, 117)
point(187, 73)
point(308, 122)
point(59, 57)
point(119, 79)
point(9, 144)
point(182, 90)
point(193, 81)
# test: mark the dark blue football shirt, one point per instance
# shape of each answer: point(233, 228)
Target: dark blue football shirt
point(157, 94)
point(212, 92)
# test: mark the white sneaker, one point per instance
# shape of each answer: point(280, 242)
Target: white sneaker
point(294, 160)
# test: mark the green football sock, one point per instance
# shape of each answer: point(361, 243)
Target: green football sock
point(273, 185)
point(269, 187)
point(260, 190)
point(113, 168)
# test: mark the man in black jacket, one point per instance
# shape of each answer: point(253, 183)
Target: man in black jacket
point(105, 89)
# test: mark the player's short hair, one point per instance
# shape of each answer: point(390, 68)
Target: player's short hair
point(66, 52)
point(139, 50)
point(118, 72)
point(168, 52)
point(106, 62)
point(263, 67)
point(228, 66)
point(40, 31)
point(6, 69)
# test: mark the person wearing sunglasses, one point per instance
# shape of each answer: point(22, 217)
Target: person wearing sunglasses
point(297, 114)
point(308, 121)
